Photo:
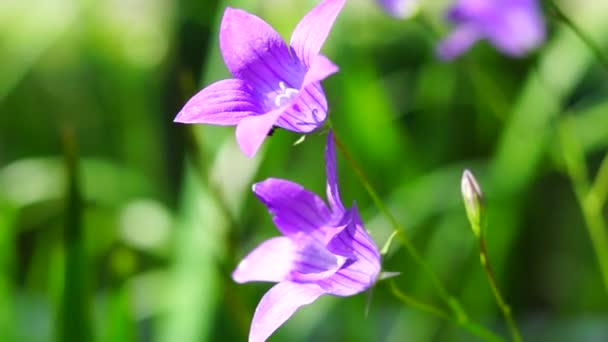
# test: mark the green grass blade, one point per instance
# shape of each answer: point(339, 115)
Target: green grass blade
point(74, 319)
point(7, 271)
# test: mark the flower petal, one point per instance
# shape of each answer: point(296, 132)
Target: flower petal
point(313, 261)
point(278, 305)
point(354, 278)
point(515, 28)
point(311, 32)
point(457, 42)
point(361, 272)
point(224, 102)
point(270, 261)
point(308, 111)
point(255, 52)
point(281, 258)
point(351, 240)
point(252, 130)
point(399, 8)
point(333, 194)
point(467, 10)
point(320, 69)
point(296, 211)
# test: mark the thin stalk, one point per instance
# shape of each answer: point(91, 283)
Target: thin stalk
point(74, 321)
point(595, 49)
point(504, 307)
point(474, 206)
point(8, 232)
point(451, 301)
point(599, 189)
point(418, 305)
point(597, 232)
point(474, 329)
point(596, 225)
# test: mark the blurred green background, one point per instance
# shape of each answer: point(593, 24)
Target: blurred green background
point(117, 224)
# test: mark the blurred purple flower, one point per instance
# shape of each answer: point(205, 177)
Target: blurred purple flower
point(399, 8)
point(322, 251)
point(514, 26)
point(273, 84)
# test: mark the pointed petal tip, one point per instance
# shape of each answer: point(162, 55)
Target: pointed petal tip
point(250, 154)
point(242, 274)
point(261, 184)
point(257, 187)
point(278, 305)
point(248, 145)
point(231, 13)
point(181, 117)
point(230, 10)
point(253, 130)
point(261, 189)
point(236, 276)
point(321, 67)
point(311, 32)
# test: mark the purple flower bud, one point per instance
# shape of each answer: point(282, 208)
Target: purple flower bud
point(473, 201)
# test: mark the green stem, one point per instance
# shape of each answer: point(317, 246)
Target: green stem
point(599, 189)
point(8, 232)
point(452, 302)
point(416, 304)
point(596, 225)
point(74, 318)
point(504, 307)
point(586, 196)
point(474, 329)
point(595, 49)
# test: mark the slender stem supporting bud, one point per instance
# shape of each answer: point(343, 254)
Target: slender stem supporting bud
point(399, 232)
point(457, 310)
point(473, 203)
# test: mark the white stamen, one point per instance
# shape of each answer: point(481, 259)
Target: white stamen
point(286, 93)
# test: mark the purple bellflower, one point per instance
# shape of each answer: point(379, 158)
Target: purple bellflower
point(322, 251)
point(274, 84)
point(513, 26)
point(399, 8)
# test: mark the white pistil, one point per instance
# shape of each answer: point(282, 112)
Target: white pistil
point(285, 93)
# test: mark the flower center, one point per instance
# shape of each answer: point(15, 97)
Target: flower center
point(285, 95)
